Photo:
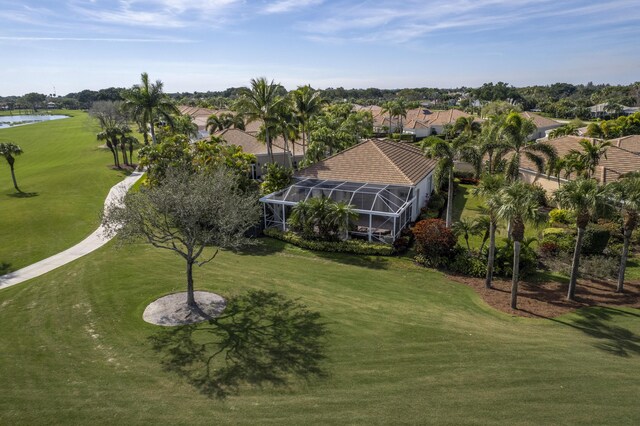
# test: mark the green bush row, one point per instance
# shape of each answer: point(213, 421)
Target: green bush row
point(348, 246)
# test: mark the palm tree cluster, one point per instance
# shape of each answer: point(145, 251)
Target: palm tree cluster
point(115, 131)
point(323, 218)
point(396, 109)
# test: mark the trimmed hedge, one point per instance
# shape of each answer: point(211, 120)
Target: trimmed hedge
point(348, 246)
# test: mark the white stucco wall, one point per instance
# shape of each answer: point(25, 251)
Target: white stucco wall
point(422, 190)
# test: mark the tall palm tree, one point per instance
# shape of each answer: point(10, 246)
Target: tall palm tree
point(306, 104)
point(592, 152)
point(389, 108)
point(400, 111)
point(110, 137)
point(446, 152)
point(584, 197)
point(518, 205)
point(261, 102)
point(489, 188)
point(146, 102)
point(514, 140)
point(9, 151)
point(286, 125)
point(626, 194)
point(488, 139)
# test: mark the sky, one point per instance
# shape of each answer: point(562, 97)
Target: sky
point(66, 46)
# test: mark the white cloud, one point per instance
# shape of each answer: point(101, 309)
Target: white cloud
point(282, 6)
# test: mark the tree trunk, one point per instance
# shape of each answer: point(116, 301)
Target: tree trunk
point(492, 254)
point(13, 176)
point(623, 261)
point(153, 133)
point(123, 151)
point(450, 200)
point(574, 265)
point(131, 153)
point(516, 272)
point(145, 135)
point(287, 151)
point(268, 142)
point(191, 300)
point(115, 156)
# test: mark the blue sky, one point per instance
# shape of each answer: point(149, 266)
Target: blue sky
point(214, 44)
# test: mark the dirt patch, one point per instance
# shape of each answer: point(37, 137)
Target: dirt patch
point(172, 309)
point(548, 299)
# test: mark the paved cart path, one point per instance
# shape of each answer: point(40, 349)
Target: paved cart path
point(93, 242)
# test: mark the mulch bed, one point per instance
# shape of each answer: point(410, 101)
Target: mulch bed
point(548, 299)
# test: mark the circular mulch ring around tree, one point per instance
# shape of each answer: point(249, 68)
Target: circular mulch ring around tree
point(172, 310)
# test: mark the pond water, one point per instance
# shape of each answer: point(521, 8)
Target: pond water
point(19, 120)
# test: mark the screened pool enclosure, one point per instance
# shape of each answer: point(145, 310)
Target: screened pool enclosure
point(383, 210)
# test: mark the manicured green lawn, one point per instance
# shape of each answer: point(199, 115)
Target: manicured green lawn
point(405, 346)
point(465, 205)
point(66, 176)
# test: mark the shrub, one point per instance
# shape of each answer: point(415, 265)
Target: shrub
point(549, 248)
point(278, 177)
point(504, 260)
point(433, 238)
point(561, 217)
point(553, 231)
point(614, 228)
point(436, 201)
point(401, 244)
point(471, 265)
point(348, 246)
point(556, 241)
point(595, 240)
point(603, 267)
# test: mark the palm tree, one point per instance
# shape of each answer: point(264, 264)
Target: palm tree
point(286, 125)
point(626, 193)
point(447, 152)
point(110, 136)
point(214, 124)
point(400, 111)
point(389, 107)
point(342, 216)
point(519, 204)
point(465, 227)
point(514, 140)
point(566, 130)
point(488, 139)
point(261, 103)
point(584, 197)
point(555, 168)
point(592, 152)
point(306, 104)
point(147, 102)
point(467, 126)
point(489, 188)
point(9, 151)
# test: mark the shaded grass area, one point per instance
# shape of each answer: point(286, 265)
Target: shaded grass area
point(404, 346)
point(65, 177)
point(465, 205)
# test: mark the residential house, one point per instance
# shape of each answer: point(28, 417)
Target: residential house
point(617, 162)
point(543, 124)
point(601, 110)
point(386, 181)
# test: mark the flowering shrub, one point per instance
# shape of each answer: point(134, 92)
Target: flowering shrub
point(433, 238)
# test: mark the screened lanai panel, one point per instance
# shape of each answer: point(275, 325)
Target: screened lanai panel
point(297, 193)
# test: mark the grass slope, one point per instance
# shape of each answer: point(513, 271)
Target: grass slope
point(69, 177)
point(406, 346)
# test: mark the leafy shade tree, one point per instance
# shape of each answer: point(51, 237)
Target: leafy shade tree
point(185, 214)
point(518, 204)
point(9, 151)
point(260, 102)
point(489, 188)
point(146, 102)
point(277, 177)
point(306, 104)
point(626, 195)
point(34, 100)
point(584, 197)
point(514, 144)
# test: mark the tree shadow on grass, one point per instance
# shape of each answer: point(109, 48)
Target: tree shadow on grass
point(614, 339)
point(371, 262)
point(5, 268)
point(262, 247)
point(23, 194)
point(261, 339)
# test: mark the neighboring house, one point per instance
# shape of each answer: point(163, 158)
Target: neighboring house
point(617, 162)
point(200, 116)
point(543, 124)
point(601, 110)
point(630, 143)
point(387, 182)
point(51, 105)
point(423, 122)
point(251, 145)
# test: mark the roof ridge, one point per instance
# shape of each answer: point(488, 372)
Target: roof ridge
point(395, 166)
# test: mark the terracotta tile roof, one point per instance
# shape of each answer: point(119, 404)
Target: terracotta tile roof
point(380, 161)
point(248, 142)
point(630, 143)
point(618, 161)
point(539, 120)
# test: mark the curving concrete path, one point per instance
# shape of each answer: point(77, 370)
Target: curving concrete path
point(93, 242)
